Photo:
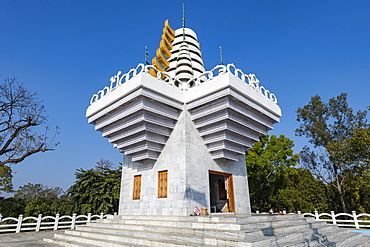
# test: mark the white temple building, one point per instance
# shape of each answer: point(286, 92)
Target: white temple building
point(183, 130)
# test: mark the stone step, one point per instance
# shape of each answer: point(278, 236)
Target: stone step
point(162, 237)
point(344, 240)
point(206, 223)
point(307, 238)
point(364, 241)
point(259, 218)
point(278, 223)
point(68, 243)
point(211, 236)
point(212, 219)
point(219, 217)
point(180, 224)
point(293, 227)
point(258, 231)
point(115, 240)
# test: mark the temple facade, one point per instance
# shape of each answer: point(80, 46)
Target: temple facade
point(183, 130)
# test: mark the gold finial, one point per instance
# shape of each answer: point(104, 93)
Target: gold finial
point(164, 50)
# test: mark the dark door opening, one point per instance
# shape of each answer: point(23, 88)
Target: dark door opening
point(221, 192)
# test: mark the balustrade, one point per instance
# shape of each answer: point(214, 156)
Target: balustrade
point(17, 225)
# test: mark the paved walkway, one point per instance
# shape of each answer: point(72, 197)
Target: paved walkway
point(27, 239)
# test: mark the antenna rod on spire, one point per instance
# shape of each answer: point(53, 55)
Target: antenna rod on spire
point(221, 61)
point(146, 56)
point(183, 21)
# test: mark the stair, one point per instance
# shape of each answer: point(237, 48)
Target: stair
point(207, 231)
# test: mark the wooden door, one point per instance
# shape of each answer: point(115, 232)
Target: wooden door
point(230, 189)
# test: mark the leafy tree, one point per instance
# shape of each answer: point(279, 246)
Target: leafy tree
point(31, 191)
point(303, 192)
point(39, 199)
point(11, 207)
point(357, 147)
point(34, 199)
point(329, 126)
point(96, 190)
point(103, 164)
point(20, 113)
point(268, 163)
point(48, 206)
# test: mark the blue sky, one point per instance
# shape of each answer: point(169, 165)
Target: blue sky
point(67, 51)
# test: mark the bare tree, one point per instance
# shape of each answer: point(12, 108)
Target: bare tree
point(21, 115)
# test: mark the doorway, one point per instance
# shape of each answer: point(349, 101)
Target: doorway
point(221, 191)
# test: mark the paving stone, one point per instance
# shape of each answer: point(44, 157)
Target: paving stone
point(27, 239)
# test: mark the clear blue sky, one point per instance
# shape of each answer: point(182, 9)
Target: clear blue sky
point(67, 51)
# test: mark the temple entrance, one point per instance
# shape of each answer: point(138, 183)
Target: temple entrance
point(221, 192)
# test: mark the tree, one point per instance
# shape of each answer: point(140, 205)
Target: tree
point(11, 207)
point(301, 191)
point(30, 191)
point(20, 113)
point(96, 190)
point(268, 162)
point(357, 147)
point(34, 199)
point(103, 164)
point(329, 126)
point(39, 199)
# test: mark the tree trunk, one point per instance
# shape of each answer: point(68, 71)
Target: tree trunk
point(341, 194)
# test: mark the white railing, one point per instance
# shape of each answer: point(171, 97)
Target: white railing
point(120, 78)
point(12, 224)
point(357, 221)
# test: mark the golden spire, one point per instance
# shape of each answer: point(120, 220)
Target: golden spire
point(164, 50)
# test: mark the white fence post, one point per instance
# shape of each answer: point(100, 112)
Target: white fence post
point(355, 220)
point(332, 213)
point(73, 221)
point(257, 212)
point(89, 217)
point(101, 215)
point(38, 223)
point(316, 215)
point(299, 212)
point(56, 222)
point(1, 217)
point(19, 225)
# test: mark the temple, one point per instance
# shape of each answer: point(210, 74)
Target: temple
point(183, 130)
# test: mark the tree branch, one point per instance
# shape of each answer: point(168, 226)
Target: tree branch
point(20, 159)
point(15, 134)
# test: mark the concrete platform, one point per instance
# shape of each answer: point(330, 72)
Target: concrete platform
point(27, 239)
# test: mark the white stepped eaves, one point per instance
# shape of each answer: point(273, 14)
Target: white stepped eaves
point(234, 116)
point(137, 116)
point(232, 126)
point(142, 126)
point(136, 105)
point(138, 111)
point(142, 146)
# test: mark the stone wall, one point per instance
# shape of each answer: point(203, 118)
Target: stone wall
point(188, 162)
